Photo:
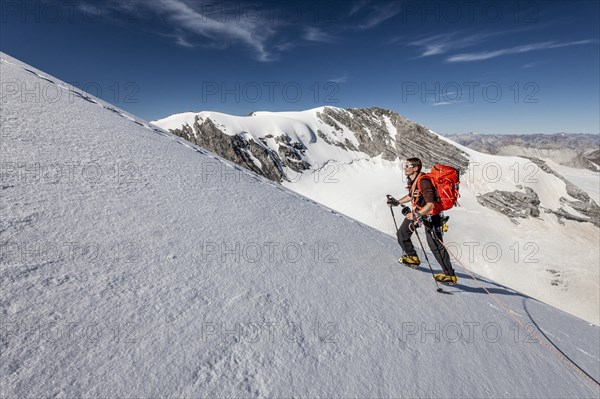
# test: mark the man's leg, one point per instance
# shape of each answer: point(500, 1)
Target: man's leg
point(434, 236)
point(404, 233)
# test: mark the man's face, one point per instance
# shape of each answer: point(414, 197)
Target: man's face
point(409, 169)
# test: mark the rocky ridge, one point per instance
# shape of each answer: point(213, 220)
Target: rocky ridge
point(378, 132)
point(518, 204)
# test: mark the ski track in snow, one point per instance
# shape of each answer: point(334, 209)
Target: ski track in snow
point(366, 295)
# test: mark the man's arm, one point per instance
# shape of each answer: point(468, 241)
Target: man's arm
point(404, 199)
point(429, 196)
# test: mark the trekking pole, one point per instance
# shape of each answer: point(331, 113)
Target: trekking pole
point(394, 217)
point(389, 197)
point(439, 289)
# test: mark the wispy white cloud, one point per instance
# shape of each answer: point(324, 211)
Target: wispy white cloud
point(180, 39)
point(393, 40)
point(313, 34)
point(357, 6)
point(285, 45)
point(378, 12)
point(340, 79)
point(436, 104)
point(220, 32)
point(486, 55)
point(362, 15)
point(450, 41)
point(436, 44)
point(215, 24)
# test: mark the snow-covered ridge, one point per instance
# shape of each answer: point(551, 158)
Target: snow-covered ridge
point(279, 145)
point(162, 289)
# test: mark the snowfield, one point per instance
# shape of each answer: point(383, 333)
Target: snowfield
point(134, 264)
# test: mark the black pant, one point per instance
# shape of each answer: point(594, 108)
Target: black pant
point(433, 231)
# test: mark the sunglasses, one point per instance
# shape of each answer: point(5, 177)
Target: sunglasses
point(409, 166)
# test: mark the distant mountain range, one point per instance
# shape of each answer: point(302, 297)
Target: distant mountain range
point(570, 149)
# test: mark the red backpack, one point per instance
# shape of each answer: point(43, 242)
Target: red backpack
point(445, 180)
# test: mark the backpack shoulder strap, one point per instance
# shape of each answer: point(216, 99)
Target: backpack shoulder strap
point(420, 179)
point(417, 186)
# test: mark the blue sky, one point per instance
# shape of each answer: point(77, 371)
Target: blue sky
point(488, 67)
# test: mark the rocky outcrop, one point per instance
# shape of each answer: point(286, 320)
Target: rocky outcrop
point(290, 152)
point(593, 155)
point(522, 205)
point(591, 211)
point(257, 157)
point(369, 128)
point(513, 204)
point(572, 189)
point(582, 204)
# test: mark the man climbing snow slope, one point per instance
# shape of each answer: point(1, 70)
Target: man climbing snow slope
point(423, 197)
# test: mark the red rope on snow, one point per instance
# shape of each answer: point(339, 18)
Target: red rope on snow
point(520, 322)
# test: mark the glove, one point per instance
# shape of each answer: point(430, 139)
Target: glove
point(392, 201)
point(417, 219)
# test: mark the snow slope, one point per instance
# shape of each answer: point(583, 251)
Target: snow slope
point(535, 256)
point(130, 269)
